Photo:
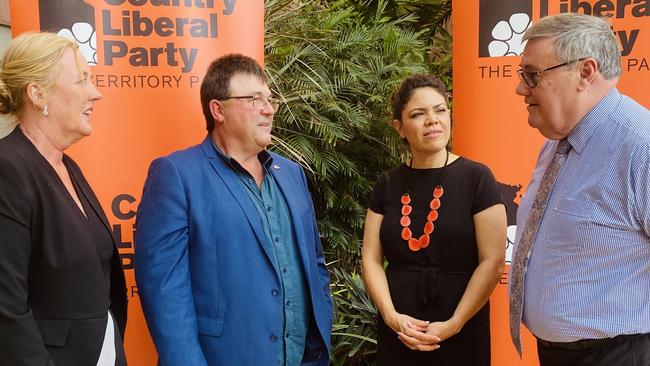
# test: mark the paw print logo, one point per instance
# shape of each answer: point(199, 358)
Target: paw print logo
point(86, 38)
point(507, 36)
point(73, 19)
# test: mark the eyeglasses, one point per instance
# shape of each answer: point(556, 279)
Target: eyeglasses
point(257, 101)
point(530, 78)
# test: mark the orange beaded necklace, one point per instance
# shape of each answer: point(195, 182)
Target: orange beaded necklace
point(423, 241)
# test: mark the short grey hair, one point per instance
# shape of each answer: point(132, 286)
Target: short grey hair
point(579, 36)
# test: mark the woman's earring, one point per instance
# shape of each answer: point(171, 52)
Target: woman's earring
point(45, 111)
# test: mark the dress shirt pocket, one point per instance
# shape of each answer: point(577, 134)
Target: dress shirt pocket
point(210, 326)
point(575, 207)
point(565, 227)
point(54, 332)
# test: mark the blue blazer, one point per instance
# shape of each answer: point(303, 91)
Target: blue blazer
point(208, 288)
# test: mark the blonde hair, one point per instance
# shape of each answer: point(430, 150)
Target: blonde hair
point(30, 58)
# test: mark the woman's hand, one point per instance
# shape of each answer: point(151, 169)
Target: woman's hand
point(419, 339)
point(443, 330)
point(413, 332)
point(401, 322)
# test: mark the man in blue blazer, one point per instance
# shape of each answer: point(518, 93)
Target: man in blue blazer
point(229, 264)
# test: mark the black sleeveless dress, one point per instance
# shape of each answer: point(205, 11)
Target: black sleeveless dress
point(428, 284)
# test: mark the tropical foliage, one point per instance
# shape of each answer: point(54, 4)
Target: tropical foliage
point(333, 64)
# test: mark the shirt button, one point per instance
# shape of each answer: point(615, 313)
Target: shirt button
point(284, 269)
point(275, 292)
point(288, 303)
point(268, 208)
point(288, 335)
point(273, 338)
point(277, 239)
point(250, 181)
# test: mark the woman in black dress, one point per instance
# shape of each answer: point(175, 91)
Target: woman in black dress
point(439, 221)
point(62, 288)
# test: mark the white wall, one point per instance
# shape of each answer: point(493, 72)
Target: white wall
point(5, 37)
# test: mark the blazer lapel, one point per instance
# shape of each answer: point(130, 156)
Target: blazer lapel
point(88, 193)
point(233, 184)
point(117, 289)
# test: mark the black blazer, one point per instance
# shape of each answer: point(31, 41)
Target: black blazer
point(54, 296)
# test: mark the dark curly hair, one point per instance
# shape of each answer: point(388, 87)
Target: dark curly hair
point(403, 94)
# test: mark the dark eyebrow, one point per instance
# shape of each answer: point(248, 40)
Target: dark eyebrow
point(416, 109)
point(422, 109)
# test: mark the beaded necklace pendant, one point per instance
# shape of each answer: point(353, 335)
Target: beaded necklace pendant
point(423, 241)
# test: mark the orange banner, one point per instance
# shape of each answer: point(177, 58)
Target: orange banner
point(149, 58)
point(490, 119)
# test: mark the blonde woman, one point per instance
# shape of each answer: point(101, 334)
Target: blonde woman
point(62, 289)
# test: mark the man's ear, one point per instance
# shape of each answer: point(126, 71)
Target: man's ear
point(397, 125)
point(216, 109)
point(588, 70)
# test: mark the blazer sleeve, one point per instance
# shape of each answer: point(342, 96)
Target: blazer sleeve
point(21, 343)
point(162, 267)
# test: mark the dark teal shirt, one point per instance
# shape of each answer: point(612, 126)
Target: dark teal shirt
point(278, 229)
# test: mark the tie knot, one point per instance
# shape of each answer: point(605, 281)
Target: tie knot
point(563, 147)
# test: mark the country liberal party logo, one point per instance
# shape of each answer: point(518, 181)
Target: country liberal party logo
point(73, 19)
point(502, 25)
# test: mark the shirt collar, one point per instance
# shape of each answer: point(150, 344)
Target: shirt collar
point(583, 131)
point(263, 156)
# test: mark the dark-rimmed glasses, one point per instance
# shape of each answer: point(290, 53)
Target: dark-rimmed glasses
point(257, 101)
point(530, 78)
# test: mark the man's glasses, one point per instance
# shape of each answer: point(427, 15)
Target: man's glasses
point(530, 78)
point(258, 101)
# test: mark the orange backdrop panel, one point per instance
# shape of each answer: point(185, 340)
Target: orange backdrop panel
point(490, 119)
point(150, 62)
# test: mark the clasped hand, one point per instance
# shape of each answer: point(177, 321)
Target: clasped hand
point(421, 335)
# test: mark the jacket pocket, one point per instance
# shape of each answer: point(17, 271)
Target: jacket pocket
point(54, 332)
point(209, 326)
